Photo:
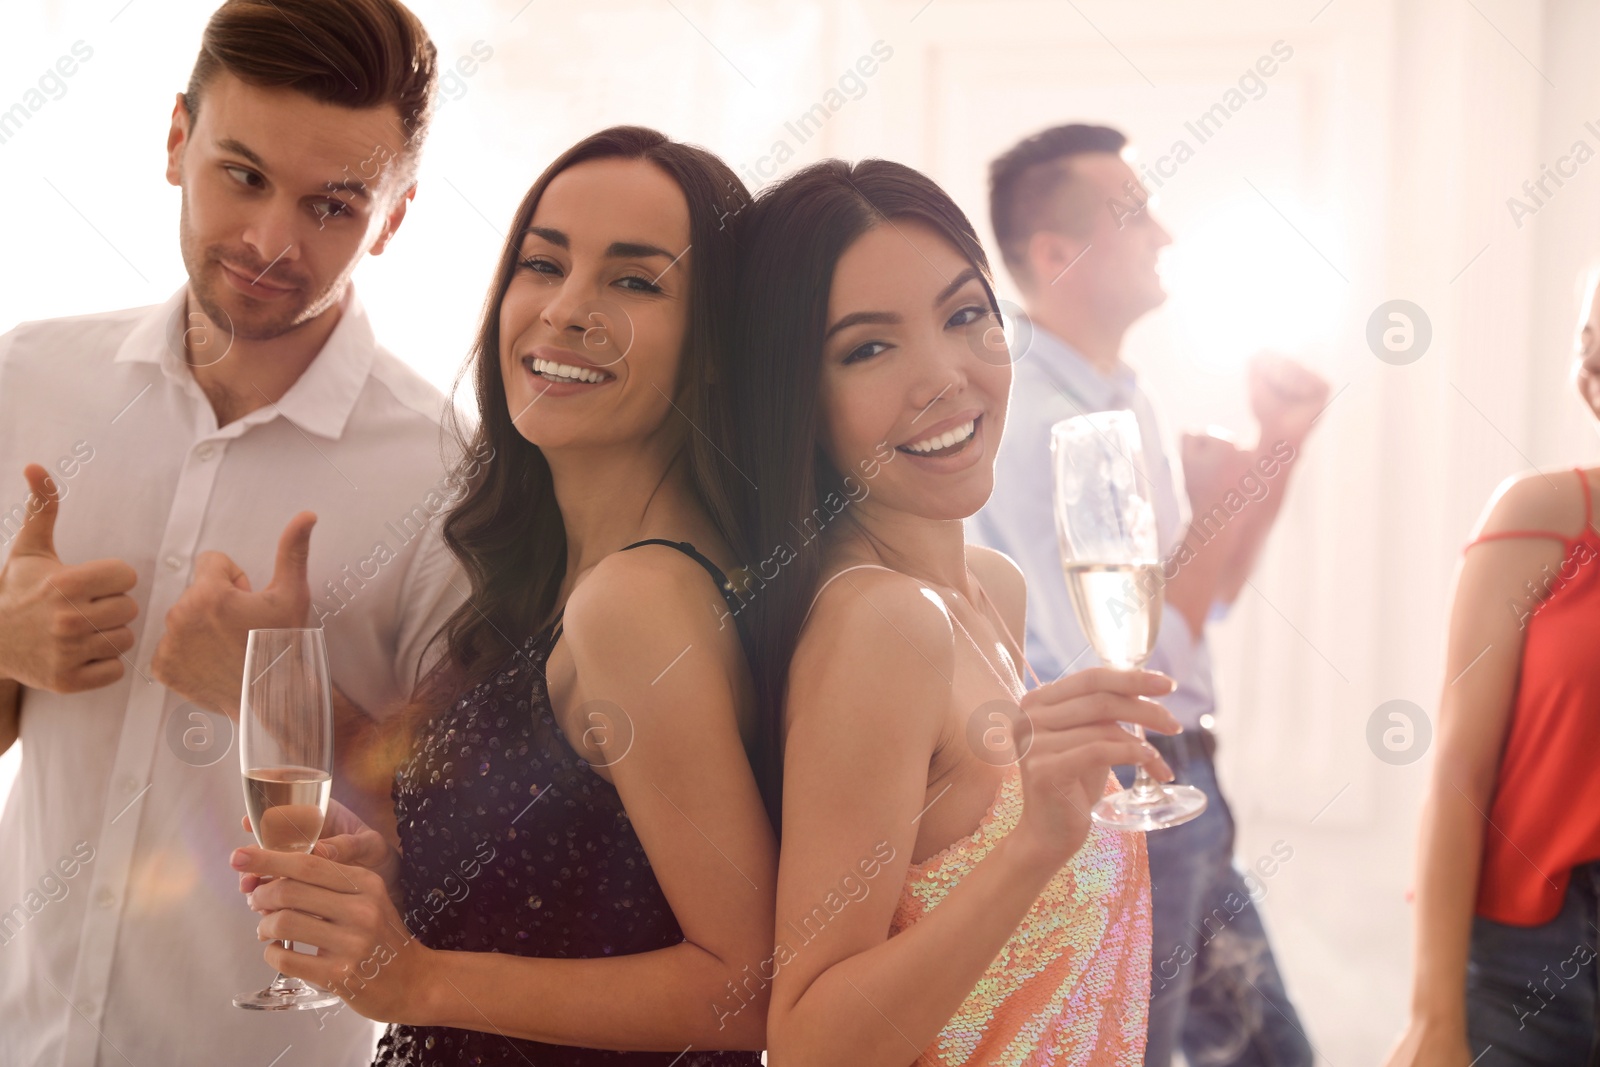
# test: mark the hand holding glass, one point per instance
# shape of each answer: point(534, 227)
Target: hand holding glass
point(286, 756)
point(1106, 528)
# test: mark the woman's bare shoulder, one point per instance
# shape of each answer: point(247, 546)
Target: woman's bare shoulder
point(878, 636)
point(1545, 501)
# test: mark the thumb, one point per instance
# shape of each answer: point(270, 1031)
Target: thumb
point(294, 548)
point(37, 536)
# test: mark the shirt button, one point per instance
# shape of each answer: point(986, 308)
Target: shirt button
point(105, 898)
point(174, 562)
point(205, 452)
point(130, 784)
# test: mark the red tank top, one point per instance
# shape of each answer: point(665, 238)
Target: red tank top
point(1545, 817)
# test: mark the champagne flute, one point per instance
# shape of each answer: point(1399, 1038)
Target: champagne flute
point(286, 757)
point(1106, 528)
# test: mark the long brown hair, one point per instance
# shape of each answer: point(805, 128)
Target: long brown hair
point(507, 531)
point(796, 233)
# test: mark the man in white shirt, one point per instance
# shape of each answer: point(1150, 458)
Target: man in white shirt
point(1074, 229)
point(177, 458)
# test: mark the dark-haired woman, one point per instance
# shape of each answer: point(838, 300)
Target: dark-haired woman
point(939, 899)
point(586, 864)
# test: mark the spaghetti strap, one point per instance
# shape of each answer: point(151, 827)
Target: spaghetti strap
point(953, 618)
point(1513, 535)
point(693, 553)
point(1010, 636)
point(831, 577)
point(724, 588)
point(1508, 535)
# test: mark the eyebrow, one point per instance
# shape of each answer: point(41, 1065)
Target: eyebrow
point(970, 274)
point(616, 250)
point(239, 148)
point(353, 186)
point(890, 318)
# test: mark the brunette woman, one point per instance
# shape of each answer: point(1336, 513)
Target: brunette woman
point(942, 895)
point(585, 863)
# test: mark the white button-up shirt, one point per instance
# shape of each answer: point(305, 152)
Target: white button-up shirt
point(1052, 381)
point(123, 935)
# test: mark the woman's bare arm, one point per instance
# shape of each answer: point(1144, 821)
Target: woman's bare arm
point(1482, 662)
point(870, 685)
point(645, 643)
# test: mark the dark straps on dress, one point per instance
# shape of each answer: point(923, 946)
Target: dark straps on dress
point(724, 586)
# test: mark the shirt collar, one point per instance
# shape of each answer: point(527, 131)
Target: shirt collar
point(1070, 371)
point(319, 402)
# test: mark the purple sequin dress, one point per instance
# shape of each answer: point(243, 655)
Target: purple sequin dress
point(513, 844)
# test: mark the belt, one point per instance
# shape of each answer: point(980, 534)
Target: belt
point(1195, 744)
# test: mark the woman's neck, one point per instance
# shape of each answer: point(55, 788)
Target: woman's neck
point(611, 497)
point(934, 550)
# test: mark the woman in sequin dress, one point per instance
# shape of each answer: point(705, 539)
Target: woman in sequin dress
point(940, 900)
point(586, 870)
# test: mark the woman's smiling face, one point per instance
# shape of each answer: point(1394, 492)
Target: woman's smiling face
point(914, 359)
point(593, 323)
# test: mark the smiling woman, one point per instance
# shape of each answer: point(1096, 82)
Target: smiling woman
point(580, 752)
point(1018, 934)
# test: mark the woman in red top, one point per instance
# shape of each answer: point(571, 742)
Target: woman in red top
point(1508, 873)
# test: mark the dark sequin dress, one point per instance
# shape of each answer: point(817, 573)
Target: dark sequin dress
point(513, 844)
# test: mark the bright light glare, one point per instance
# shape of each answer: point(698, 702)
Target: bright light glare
point(1242, 280)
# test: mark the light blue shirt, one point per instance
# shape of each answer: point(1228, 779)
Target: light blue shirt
point(1051, 381)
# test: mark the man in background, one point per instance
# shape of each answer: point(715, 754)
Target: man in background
point(176, 458)
point(1075, 231)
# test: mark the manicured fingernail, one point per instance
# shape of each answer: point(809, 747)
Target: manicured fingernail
point(250, 899)
point(239, 858)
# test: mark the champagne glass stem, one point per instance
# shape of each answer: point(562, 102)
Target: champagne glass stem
point(1144, 786)
point(282, 984)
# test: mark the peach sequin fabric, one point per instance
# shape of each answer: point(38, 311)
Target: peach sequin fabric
point(1071, 988)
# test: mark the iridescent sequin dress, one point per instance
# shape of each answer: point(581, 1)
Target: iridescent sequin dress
point(1071, 987)
point(513, 844)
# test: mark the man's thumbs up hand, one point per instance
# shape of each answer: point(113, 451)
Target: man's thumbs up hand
point(289, 586)
point(38, 534)
point(62, 628)
point(201, 653)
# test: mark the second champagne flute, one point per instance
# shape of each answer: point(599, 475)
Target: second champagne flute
point(1106, 527)
point(286, 756)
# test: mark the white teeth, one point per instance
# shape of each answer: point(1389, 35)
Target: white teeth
point(567, 371)
point(944, 440)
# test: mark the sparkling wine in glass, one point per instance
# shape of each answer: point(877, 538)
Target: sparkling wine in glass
point(1106, 528)
point(286, 757)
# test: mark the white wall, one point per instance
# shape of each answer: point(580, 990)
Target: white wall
point(1376, 165)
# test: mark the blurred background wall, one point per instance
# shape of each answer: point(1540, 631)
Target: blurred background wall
point(1378, 162)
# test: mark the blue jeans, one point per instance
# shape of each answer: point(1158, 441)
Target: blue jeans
point(1531, 990)
point(1215, 990)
